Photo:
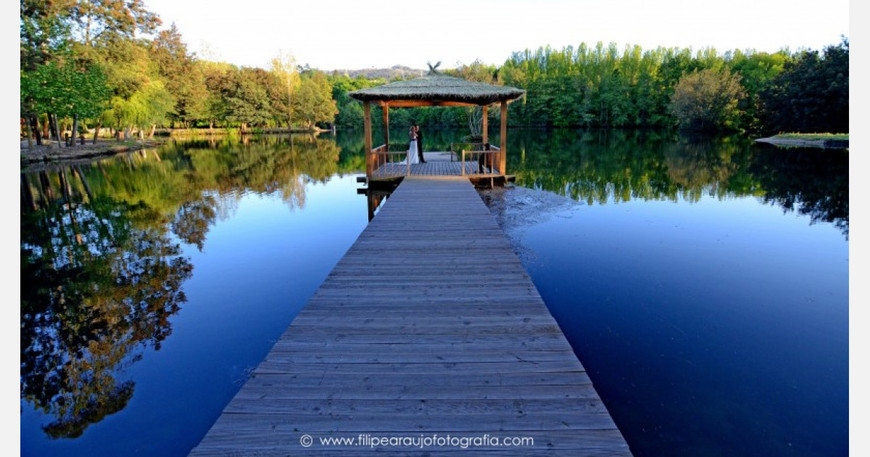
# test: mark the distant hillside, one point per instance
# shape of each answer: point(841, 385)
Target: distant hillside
point(396, 71)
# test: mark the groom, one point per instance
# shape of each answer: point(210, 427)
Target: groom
point(419, 143)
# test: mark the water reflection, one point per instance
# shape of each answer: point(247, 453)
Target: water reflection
point(102, 269)
point(106, 247)
point(377, 194)
point(99, 281)
point(613, 166)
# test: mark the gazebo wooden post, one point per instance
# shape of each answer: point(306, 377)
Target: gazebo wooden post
point(502, 155)
point(367, 129)
point(485, 135)
point(386, 109)
point(485, 125)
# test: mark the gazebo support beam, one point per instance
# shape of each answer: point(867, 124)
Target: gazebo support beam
point(386, 110)
point(485, 125)
point(502, 155)
point(416, 103)
point(367, 132)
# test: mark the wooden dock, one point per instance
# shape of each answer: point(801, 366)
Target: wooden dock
point(427, 329)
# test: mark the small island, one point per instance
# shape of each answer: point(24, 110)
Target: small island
point(808, 140)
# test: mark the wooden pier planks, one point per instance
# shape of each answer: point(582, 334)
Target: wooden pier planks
point(428, 325)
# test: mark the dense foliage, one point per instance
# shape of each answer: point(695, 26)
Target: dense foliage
point(811, 94)
point(90, 61)
point(93, 61)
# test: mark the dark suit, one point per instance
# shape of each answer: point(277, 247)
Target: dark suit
point(420, 146)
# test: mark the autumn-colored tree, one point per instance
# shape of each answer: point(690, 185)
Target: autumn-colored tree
point(707, 100)
point(284, 68)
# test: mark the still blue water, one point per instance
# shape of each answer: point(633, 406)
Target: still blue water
point(703, 283)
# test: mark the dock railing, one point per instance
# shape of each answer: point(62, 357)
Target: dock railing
point(484, 154)
point(390, 163)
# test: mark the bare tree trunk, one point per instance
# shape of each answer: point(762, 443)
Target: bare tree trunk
point(46, 127)
point(56, 129)
point(97, 131)
point(151, 133)
point(34, 125)
point(28, 132)
point(75, 128)
point(51, 128)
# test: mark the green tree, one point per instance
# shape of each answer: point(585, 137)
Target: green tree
point(247, 100)
point(64, 88)
point(44, 29)
point(101, 21)
point(314, 101)
point(480, 72)
point(183, 77)
point(756, 70)
point(811, 94)
point(707, 100)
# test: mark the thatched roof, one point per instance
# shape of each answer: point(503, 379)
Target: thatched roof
point(437, 89)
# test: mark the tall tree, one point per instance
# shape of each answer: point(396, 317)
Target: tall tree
point(64, 88)
point(314, 102)
point(44, 29)
point(707, 100)
point(284, 67)
point(183, 77)
point(107, 20)
point(811, 94)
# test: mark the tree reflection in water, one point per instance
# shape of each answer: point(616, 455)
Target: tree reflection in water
point(600, 166)
point(101, 266)
point(98, 285)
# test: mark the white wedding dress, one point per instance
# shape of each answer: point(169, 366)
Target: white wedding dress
point(412, 152)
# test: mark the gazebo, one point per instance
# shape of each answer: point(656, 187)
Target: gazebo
point(435, 89)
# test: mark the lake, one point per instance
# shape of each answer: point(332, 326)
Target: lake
point(702, 282)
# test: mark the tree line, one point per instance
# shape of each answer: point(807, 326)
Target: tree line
point(602, 86)
point(106, 64)
point(88, 65)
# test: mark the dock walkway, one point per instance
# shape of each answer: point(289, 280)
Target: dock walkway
point(430, 332)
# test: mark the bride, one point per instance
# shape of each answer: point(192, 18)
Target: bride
point(412, 147)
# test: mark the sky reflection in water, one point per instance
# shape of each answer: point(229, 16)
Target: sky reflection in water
point(704, 284)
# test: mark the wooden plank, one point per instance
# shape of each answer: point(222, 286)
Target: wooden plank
point(416, 103)
point(285, 381)
point(460, 407)
point(428, 324)
point(549, 443)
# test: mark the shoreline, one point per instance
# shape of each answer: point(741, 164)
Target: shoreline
point(805, 143)
point(33, 157)
point(47, 154)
